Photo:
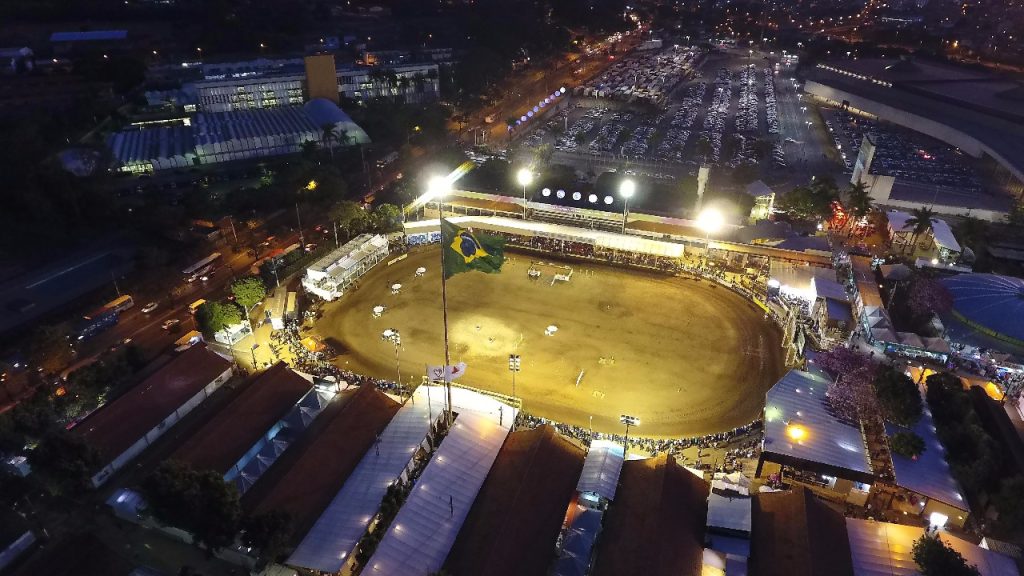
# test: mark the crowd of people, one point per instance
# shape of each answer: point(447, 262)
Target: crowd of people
point(747, 435)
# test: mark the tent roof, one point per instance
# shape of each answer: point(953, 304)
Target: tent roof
point(798, 401)
point(656, 526)
point(943, 235)
point(884, 549)
point(601, 469)
point(731, 512)
point(340, 527)
point(758, 188)
point(895, 272)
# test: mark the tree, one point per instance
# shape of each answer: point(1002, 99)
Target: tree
point(1009, 502)
point(858, 199)
point(269, 532)
point(212, 317)
point(542, 155)
point(920, 222)
point(744, 173)
point(898, 397)
point(66, 461)
point(907, 444)
point(330, 134)
point(928, 296)
point(812, 202)
point(248, 291)
point(850, 394)
point(936, 558)
point(200, 502)
point(349, 215)
point(49, 349)
point(387, 217)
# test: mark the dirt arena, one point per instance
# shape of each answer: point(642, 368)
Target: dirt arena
point(684, 356)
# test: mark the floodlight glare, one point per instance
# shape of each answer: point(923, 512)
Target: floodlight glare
point(437, 186)
point(627, 188)
point(710, 220)
point(524, 176)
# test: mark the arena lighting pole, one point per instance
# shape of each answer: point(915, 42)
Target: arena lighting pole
point(710, 220)
point(396, 339)
point(436, 189)
point(524, 177)
point(626, 189)
point(514, 365)
point(628, 421)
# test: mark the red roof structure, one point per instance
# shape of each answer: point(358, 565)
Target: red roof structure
point(514, 522)
point(225, 438)
point(796, 534)
point(656, 525)
point(114, 428)
point(309, 475)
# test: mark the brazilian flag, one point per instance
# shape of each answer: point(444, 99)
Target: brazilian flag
point(467, 250)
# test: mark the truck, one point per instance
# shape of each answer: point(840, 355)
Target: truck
point(188, 340)
point(387, 160)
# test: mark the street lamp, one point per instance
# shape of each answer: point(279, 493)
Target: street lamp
point(628, 421)
point(710, 220)
point(626, 189)
point(524, 177)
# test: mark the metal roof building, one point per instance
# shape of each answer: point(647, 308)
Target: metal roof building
point(125, 427)
point(801, 430)
point(601, 468)
point(421, 535)
point(328, 545)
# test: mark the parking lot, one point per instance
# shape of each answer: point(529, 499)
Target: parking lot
point(907, 155)
point(732, 112)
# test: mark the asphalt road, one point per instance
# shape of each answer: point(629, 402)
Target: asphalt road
point(685, 356)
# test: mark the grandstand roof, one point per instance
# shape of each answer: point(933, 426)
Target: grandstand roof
point(303, 482)
point(118, 425)
point(656, 526)
point(422, 534)
point(795, 534)
point(231, 432)
point(515, 519)
point(343, 523)
point(601, 469)
point(991, 303)
point(797, 404)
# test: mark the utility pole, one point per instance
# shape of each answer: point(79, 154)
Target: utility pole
point(116, 287)
point(628, 421)
point(298, 218)
point(336, 235)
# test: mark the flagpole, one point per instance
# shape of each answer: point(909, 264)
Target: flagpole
point(444, 312)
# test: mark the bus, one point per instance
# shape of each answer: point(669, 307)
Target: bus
point(201, 267)
point(195, 305)
point(95, 322)
point(121, 304)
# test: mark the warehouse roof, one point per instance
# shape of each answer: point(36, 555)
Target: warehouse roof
point(928, 474)
point(656, 526)
point(515, 519)
point(309, 475)
point(116, 426)
point(220, 443)
point(795, 534)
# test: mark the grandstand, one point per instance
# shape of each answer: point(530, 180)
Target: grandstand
point(330, 276)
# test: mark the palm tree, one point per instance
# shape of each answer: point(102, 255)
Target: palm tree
point(859, 199)
point(309, 148)
point(920, 222)
point(329, 136)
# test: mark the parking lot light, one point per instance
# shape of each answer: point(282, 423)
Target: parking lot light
point(710, 220)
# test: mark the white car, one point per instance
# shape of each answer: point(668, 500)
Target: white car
point(168, 324)
point(149, 307)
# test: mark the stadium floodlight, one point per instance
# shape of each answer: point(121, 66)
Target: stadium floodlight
point(626, 189)
point(710, 220)
point(524, 177)
point(437, 187)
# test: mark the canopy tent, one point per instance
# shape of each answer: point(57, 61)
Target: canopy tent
point(601, 469)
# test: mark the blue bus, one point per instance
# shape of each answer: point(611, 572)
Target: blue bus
point(96, 322)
